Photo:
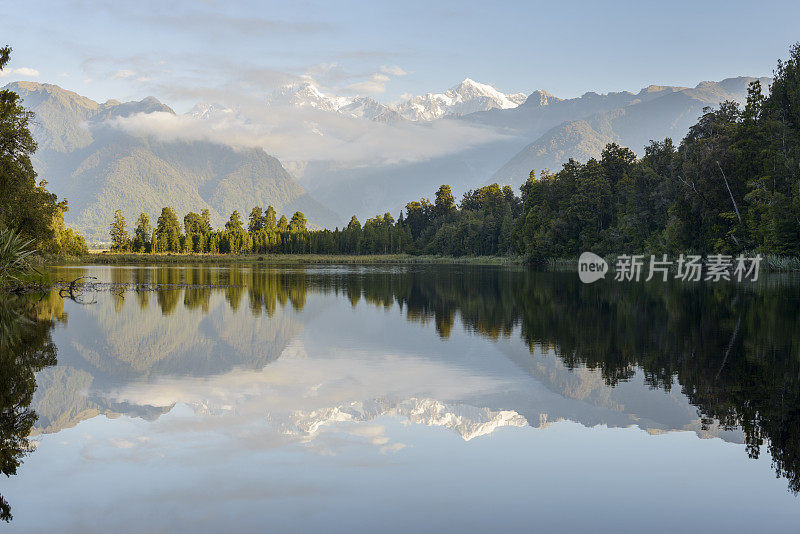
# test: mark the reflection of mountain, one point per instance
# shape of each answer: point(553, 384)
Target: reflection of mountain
point(468, 421)
point(122, 340)
point(469, 349)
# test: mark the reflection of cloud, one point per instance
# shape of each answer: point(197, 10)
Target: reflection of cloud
point(310, 134)
point(121, 443)
point(308, 399)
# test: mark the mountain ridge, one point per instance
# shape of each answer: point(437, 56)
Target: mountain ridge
point(100, 169)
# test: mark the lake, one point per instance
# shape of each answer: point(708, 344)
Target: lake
point(401, 399)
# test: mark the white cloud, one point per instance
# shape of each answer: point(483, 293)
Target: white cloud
point(394, 70)
point(308, 134)
point(374, 84)
point(22, 71)
point(123, 74)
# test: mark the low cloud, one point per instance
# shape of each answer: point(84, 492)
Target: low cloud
point(374, 84)
point(308, 134)
point(22, 71)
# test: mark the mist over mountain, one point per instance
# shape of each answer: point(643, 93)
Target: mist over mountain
point(543, 132)
point(654, 113)
point(99, 168)
point(360, 155)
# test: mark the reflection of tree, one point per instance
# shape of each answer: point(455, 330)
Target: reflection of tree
point(734, 350)
point(25, 348)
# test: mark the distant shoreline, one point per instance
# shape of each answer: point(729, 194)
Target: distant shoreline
point(113, 258)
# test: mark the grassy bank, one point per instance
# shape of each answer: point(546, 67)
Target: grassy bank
point(283, 259)
point(769, 263)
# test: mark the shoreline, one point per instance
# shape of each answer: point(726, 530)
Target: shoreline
point(113, 258)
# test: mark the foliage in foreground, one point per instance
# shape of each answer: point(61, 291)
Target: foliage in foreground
point(15, 255)
point(26, 206)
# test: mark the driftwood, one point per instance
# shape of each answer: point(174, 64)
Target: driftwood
point(82, 284)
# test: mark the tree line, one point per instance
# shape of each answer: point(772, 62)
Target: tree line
point(731, 185)
point(264, 234)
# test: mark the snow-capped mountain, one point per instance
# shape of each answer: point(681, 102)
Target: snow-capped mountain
point(468, 96)
point(306, 94)
point(210, 111)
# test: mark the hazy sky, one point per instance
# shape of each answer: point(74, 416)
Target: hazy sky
point(184, 51)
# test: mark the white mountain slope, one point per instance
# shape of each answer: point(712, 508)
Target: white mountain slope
point(466, 97)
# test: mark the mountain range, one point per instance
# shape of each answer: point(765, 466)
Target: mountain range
point(464, 98)
point(99, 168)
point(542, 132)
point(490, 136)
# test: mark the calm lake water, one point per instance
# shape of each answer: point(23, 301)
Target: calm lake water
point(402, 399)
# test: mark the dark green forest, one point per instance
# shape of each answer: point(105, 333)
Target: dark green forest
point(731, 185)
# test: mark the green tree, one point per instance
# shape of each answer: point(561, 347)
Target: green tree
point(270, 222)
point(445, 203)
point(168, 231)
point(120, 240)
point(205, 216)
point(235, 222)
point(256, 221)
point(298, 222)
point(25, 205)
point(283, 224)
point(142, 234)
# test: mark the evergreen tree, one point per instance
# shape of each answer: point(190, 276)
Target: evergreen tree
point(120, 241)
point(235, 222)
point(283, 224)
point(256, 221)
point(142, 234)
point(168, 231)
point(298, 222)
point(270, 222)
point(25, 204)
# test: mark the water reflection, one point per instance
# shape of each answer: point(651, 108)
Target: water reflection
point(25, 348)
point(266, 357)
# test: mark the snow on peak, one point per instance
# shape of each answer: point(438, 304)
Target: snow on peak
point(305, 94)
point(467, 421)
point(466, 97)
point(210, 111)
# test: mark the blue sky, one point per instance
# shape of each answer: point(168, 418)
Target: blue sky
point(183, 52)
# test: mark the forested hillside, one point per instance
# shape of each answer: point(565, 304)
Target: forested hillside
point(732, 184)
point(100, 168)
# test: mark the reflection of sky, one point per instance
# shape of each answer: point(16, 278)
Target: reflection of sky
point(131, 476)
point(369, 422)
